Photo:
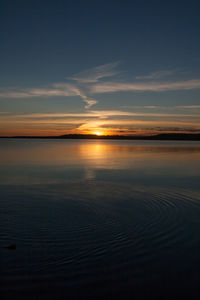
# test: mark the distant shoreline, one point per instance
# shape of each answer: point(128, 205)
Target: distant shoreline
point(160, 137)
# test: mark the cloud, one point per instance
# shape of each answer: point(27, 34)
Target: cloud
point(113, 87)
point(100, 114)
point(99, 88)
point(79, 87)
point(89, 102)
point(94, 74)
point(82, 81)
point(30, 93)
point(171, 107)
point(157, 75)
point(88, 83)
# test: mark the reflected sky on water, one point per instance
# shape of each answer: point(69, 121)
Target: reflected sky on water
point(60, 161)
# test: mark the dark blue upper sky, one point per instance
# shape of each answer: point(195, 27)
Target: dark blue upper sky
point(49, 40)
point(45, 42)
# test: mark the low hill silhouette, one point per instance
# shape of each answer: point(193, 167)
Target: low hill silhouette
point(163, 136)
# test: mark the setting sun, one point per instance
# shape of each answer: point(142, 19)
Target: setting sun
point(98, 133)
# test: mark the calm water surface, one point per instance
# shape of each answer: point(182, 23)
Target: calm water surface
point(99, 219)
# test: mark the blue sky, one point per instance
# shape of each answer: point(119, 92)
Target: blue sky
point(109, 66)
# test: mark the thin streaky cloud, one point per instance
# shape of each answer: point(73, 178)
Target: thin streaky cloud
point(89, 102)
point(113, 87)
point(97, 124)
point(190, 106)
point(94, 74)
point(157, 74)
point(31, 93)
point(105, 87)
point(88, 83)
point(104, 114)
point(98, 119)
point(161, 106)
point(91, 76)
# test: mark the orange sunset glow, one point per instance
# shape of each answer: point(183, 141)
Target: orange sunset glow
point(102, 123)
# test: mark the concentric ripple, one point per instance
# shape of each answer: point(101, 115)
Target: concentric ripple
point(112, 227)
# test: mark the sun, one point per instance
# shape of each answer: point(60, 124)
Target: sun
point(98, 133)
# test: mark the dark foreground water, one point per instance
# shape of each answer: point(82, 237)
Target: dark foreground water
point(99, 219)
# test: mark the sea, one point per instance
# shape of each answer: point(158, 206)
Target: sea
point(99, 219)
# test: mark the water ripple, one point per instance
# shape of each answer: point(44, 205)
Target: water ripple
point(101, 228)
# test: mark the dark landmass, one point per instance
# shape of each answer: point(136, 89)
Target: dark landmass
point(160, 137)
point(10, 246)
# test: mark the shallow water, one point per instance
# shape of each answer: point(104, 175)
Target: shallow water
point(99, 219)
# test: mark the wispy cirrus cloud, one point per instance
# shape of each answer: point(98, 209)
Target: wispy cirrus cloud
point(158, 74)
point(97, 73)
point(171, 107)
point(38, 92)
point(83, 79)
point(80, 86)
point(94, 81)
point(113, 87)
point(99, 115)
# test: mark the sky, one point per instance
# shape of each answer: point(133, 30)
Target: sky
point(100, 67)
